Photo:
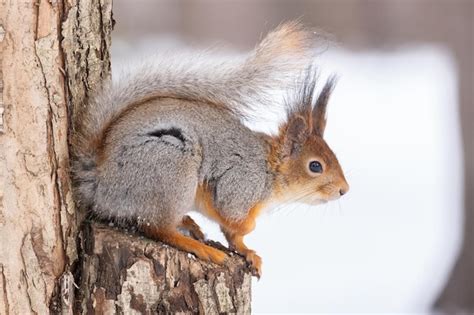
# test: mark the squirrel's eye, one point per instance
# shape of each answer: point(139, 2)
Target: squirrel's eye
point(315, 167)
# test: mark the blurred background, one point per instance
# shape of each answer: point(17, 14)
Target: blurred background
point(401, 122)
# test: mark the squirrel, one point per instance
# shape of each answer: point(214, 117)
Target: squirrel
point(170, 137)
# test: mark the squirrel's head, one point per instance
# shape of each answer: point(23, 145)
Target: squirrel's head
point(307, 169)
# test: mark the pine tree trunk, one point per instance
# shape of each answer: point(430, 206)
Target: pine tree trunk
point(53, 54)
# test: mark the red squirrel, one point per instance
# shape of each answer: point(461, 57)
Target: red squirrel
point(170, 138)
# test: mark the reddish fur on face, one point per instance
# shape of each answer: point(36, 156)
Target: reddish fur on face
point(300, 141)
point(293, 177)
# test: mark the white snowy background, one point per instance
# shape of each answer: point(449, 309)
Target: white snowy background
point(388, 245)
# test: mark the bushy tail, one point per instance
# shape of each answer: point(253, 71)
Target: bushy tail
point(238, 85)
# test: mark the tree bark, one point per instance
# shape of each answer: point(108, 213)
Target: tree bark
point(125, 274)
point(53, 54)
point(38, 221)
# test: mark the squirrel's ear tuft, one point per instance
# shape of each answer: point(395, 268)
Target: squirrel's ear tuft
point(300, 100)
point(296, 133)
point(319, 109)
point(299, 113)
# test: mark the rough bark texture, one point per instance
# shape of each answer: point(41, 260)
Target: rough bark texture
point(126, 274)
point(53, 54)
point(38, 222)
point(86, 43)
point(35, 199)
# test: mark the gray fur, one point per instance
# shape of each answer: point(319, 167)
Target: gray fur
point(147, 141)
point(155, 178)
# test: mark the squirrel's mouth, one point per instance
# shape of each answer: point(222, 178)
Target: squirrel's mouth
point(314, 201)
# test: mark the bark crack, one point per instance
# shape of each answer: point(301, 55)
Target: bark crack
point(32, 276)
point(36, 18)
point(28, 297)
point(4, 291)
point(2, 107)
point(59, 199)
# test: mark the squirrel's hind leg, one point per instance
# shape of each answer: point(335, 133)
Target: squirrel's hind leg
point(192, 227)
point(186, 243)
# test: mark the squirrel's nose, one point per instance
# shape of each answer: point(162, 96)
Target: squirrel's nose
point(344, 189)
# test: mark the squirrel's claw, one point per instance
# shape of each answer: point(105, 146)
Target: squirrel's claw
point(255, 272)
point(255, 263)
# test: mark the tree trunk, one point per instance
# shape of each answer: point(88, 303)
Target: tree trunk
point(38, 221)
point(53, 53)
point(124, 274)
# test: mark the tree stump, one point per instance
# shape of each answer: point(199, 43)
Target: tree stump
point(123, 273)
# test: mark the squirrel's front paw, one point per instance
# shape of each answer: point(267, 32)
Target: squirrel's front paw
point(255, 263)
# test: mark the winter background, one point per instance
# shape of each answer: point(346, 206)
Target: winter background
point(390, 244)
